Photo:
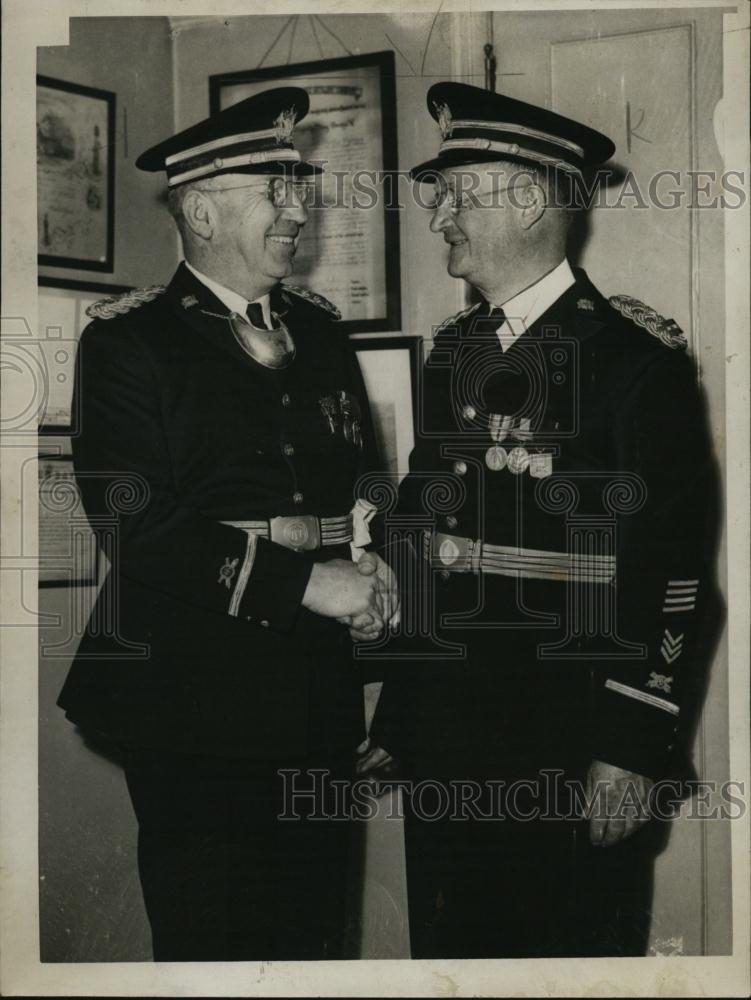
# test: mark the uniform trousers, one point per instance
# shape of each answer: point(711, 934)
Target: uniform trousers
point(225, 879)
point(503, 887)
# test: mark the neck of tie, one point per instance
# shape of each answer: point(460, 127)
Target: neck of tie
point(254, 312)
point(497, 315)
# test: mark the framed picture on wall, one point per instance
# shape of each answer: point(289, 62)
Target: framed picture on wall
point(68, 553)
point(349, 248)
point(390, 369)
point(75, 175)
point(62, 318)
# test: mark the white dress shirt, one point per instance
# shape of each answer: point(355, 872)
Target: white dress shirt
point(232, 300)
point(528, 305)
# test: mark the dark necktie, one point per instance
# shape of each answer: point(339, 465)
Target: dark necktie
point(254, 312)
point(497, 316)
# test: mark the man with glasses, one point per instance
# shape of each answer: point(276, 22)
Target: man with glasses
point(563, 461)
point(230, 412)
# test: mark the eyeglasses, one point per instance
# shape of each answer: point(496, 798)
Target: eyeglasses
point(463, 201)
point(282, 193)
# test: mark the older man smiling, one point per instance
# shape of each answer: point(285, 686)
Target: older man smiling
point(235, 410)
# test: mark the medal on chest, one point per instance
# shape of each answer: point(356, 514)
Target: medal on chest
point(511, 437)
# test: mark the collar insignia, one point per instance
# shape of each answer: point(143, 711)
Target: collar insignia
point(284, 123)
point(188, 301)
point(445, 121)
point(586, 304)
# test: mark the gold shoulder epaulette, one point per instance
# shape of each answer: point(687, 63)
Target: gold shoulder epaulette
point(317, 300)
point(452, 320)
point(666, 330)
point(116, 305)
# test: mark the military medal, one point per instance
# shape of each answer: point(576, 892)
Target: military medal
point(496, 458)
point(499, 426)
point(518, 460)
point(524, 431)
point(330, 410)
point(349, 407)
point(540, 465)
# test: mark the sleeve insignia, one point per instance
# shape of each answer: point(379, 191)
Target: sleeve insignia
point(666, 330)
point(659, 681)
point(672, 646)
point(227, 572)
point(117, 305)
point(317, 300)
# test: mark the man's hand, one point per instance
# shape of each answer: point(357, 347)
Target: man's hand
point(336, 589)
point(366, 627)
point(620, 806)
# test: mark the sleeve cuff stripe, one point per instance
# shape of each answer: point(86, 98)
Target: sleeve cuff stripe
point(648, 699)
point(244, 575)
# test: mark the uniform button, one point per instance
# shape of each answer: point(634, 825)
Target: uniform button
point(444, 574)
point(451, 521)
point(289, 449)
point(460, 468)
point(286, 400)
point(469, 412)
point(265, 623)
point(218, 163)
point(298, 497)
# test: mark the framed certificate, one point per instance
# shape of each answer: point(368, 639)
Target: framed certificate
point(390, 369)
point(75, 175)
point(349, 248)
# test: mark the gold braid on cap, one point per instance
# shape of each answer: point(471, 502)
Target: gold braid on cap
point(117, 305)
point(666, 330)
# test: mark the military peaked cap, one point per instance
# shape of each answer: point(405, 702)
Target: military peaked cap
point(253, 136)
point(479, 126)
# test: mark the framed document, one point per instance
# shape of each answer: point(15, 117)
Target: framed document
point(68, 552)
point(390, 369)
point(349, 248)
point(75, 175)
point(62, 318)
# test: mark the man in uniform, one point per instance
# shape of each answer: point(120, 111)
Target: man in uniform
point(563, 466)
point(223, 426)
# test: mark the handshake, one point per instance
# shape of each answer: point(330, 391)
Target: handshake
point(363, 595)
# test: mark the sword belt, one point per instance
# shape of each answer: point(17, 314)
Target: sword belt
point(300, 532)
point(455, 554)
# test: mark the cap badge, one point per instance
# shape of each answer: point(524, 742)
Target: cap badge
point(188, 301)
point(284, 123)
point(445, 121)
point(586, 304)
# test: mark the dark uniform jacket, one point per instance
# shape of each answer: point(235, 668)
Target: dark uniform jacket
point(198, 642)
point(588, 643)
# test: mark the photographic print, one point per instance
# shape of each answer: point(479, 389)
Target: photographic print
point(375, 530)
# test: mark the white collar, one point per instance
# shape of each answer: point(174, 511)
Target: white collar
point(528, 305)
point(232, 300)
